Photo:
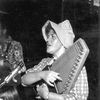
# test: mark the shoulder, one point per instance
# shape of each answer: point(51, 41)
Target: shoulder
point(15, 43)
point(40, 66)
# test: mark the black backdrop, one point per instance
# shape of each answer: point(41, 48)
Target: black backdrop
point(25, 18)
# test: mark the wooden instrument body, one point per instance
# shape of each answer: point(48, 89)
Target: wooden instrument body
point(70, 64)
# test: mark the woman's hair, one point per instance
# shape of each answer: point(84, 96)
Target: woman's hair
point(48, 28)
point(9, 93)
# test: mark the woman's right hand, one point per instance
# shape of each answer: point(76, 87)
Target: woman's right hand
point(50, 77)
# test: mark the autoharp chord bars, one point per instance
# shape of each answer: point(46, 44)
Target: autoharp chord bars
point(70, 65)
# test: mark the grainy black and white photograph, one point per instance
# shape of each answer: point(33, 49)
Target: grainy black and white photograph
point(49, 50)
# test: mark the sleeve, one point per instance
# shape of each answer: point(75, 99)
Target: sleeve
point(39, 67)
point(80, 90)
point(17, 50)
point(15, 55)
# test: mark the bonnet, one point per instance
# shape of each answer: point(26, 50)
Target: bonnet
point(63, 30)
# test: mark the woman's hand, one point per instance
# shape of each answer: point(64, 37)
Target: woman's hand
point(50, 77)
point(43, 91)
point(1, 62)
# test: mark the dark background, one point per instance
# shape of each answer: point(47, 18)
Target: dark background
point(25, 18)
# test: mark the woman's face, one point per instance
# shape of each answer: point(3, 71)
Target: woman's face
point(53, 43)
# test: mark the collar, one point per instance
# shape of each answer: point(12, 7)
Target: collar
point(59, 53)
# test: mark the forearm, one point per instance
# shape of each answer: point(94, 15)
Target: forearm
point(70, 96)
point(31, 77)
point(54, 96)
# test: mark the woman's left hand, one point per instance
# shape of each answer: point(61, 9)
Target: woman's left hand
point(43, 91)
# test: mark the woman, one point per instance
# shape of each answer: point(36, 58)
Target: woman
point(58, 37)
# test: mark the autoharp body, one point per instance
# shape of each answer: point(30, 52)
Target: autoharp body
point(70, 64)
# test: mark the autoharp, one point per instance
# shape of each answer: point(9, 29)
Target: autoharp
point(70, 64)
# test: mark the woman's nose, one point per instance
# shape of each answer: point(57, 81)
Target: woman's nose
point(49, 40)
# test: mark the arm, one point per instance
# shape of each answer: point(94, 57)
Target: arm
point(54, 96)
point(48, 76)
point(31, 77)
point(43, 92)
point(78, 92)
point(35, 74)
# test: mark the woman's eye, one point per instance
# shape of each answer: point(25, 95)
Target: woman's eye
point(53, 36)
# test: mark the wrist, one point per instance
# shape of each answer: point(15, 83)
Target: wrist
point(47, 96)
point(41, 75)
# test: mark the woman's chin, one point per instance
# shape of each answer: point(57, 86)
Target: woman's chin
point(49, 51)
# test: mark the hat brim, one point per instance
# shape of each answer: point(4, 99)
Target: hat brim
point(65, 36)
